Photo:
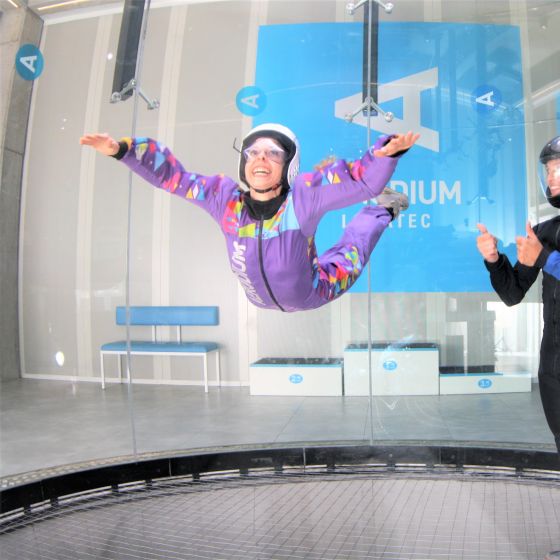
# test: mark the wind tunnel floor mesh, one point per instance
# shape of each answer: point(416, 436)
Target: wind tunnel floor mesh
point(299, 515)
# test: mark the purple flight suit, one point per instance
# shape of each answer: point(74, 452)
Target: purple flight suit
point(276, 259)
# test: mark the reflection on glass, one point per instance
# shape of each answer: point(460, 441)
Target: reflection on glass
point(423, 331)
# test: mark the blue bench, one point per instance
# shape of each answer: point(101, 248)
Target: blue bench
point(159, 317)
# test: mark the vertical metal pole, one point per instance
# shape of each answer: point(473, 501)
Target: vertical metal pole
point(369, 57)
point(368, 12)
point(139, 60)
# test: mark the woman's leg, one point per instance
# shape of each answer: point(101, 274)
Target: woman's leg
point(341, 265)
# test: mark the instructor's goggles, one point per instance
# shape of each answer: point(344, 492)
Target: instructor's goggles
point(549, 171)
point(549, 175)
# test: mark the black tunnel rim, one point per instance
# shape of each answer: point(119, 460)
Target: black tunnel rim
point(330, 458)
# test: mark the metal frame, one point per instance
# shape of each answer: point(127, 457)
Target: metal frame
point(43, 494)
point(186, 353)
point(351, 7)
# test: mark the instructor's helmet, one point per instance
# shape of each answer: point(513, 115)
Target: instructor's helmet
point(286, 138)
point(549, 171)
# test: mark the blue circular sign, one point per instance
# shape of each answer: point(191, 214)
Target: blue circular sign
point(485, 383)
point(390, 365)
point(251, 100)
point(29, 62)
point(296, 378)
point(486, 98)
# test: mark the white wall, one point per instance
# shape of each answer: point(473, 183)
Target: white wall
point(74, 220)
point(197, 56)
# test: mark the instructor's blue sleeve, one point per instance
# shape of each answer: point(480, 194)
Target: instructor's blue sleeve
point(552, 265)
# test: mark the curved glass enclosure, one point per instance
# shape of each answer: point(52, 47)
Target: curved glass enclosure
point(138, 324)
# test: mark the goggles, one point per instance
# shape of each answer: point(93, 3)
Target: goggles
point(549, 175)
point(269, 150)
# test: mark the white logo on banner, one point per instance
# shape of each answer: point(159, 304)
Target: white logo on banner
point(486, 99)
point(409, 88)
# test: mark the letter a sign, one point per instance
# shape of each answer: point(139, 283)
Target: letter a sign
point(29, 62)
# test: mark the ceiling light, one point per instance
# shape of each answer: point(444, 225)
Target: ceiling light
point(59, 4)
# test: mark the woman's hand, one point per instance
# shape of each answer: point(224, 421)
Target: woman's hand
point(398, 143)
point(103, 143)
point(325, 163)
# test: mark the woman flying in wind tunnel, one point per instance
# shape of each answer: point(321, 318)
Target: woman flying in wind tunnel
point(270, 217)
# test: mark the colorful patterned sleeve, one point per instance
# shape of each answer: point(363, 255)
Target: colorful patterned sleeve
point(339, 183)
point(155, 163)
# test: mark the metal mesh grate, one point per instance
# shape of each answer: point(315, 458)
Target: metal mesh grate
point(318, 516)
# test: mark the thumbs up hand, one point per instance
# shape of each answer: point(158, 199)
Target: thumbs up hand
point(487, 244)
point(528, 248)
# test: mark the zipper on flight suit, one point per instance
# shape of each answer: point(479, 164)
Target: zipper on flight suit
point(261, 266)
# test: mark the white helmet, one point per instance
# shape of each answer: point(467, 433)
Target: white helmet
point(287, 140)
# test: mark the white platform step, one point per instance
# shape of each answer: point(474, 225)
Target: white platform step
point(309, 377)
point(477, 383)
point(397, 369)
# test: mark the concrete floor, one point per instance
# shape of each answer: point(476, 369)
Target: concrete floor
point(46, 424)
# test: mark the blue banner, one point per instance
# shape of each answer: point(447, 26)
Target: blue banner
point(458, 85)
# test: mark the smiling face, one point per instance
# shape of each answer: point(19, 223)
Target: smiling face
point(263, 168)
point(553, 176)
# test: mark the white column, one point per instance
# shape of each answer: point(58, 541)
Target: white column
point(96, 96)
point(161, 226)
point(247, 312)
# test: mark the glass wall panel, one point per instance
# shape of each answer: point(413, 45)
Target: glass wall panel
point(420, 349)
point(72, 258)
point(427, 298)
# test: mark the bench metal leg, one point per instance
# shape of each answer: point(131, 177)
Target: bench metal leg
point(102, 371)
point(205, 357)
point(128, 363)
point(119, 358)
point(218, 374)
